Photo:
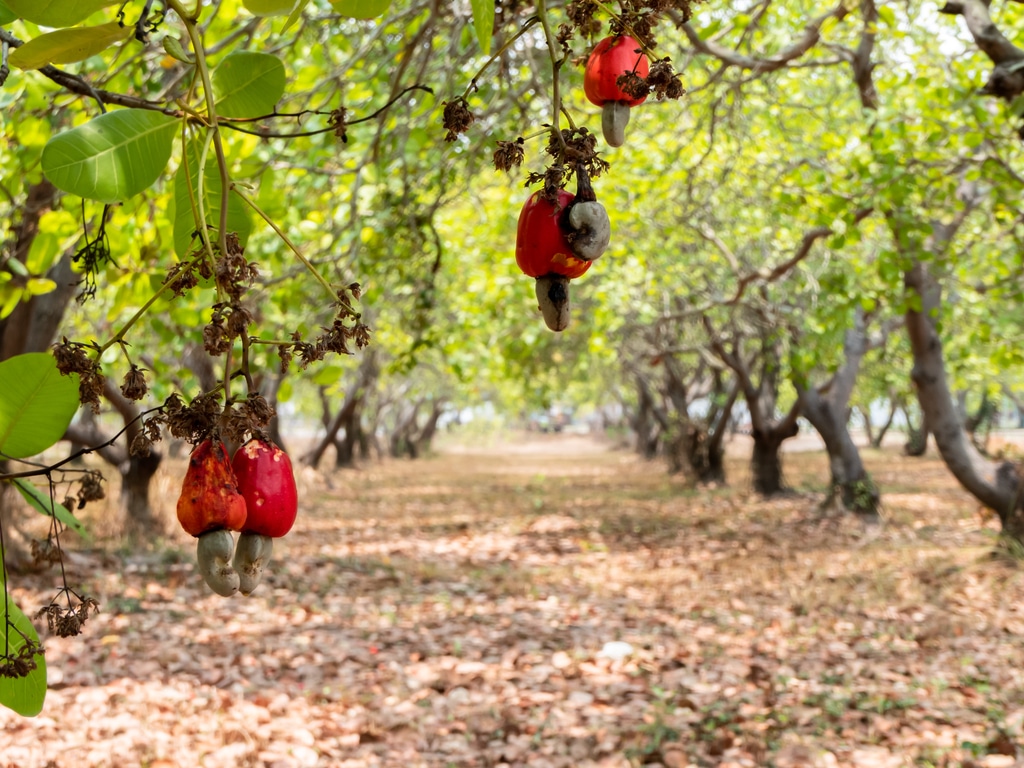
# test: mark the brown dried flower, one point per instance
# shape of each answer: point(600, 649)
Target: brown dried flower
point(67, 622)
point(456, 118)
point(509, 154)
point(338, 120)
point(134, 386)
point(21, 662)
point(663, 80)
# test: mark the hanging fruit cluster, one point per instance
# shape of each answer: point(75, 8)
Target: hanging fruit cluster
point(557, 240)
point(560, 234)
point(612, 59)
point(253, 493)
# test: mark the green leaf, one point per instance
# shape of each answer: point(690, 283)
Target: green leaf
point(268, 7)
point(174, 49)
point(887, 15)
point(56, 13)
point(36, 404)
point(361, 9)
point(295, 14)
point(25, 695)
point(248, 84)
point(37, 286)
point(185, 218)
point(43, 504)
point(68, 45)
point(483, 20)
point(6, 14)
point(111, 157)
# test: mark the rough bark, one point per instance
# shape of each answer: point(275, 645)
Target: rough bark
point(766, 460)
point(850, 482)
point(996, 484)
point(828, 414)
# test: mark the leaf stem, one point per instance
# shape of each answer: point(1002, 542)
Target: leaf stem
point(556, 65)
point(203, 69)
point(497, 54)
point(287, 241)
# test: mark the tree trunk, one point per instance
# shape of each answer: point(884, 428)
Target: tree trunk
point(828, 414)
point(880, 436)
point(849, 482)
point(643, 421)
point(366, 374)
point(425, 437)
point(917, 439)
point(766, 461)
point(996, 484)
point(869, 432)
point(136, 478)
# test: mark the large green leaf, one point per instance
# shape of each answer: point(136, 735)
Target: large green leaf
point(25, 695)
point(42, 503)
point(6, 14)
point(111, 157)
point(248, 84)
point(36, 404)
point(185, 218)
point(68, 45)
point(361, 9)
point(268, 7)
point(483, 20)
point(56, 13)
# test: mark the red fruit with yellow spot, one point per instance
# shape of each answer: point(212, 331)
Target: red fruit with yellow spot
point(541, 244)
point(209, 499)
point(267, 484)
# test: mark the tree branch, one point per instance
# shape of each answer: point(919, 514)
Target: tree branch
point(1007, 78)
point(761, 65)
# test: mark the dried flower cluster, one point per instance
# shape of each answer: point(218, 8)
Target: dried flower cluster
point(338, 120)
point(67, 622)
point(509, 154)
point(134, 386)
point(22, 662)
point(347, 327)
point(72, 357)
point(456, 118)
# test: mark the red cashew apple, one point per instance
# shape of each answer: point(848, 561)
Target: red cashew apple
point(267, 484)
point(209, 507)
point(556, 242)
point(612, 58)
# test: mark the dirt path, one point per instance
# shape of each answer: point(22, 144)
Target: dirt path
point(552, 603)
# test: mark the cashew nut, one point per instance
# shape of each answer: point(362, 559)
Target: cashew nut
point(553, 298)
point(614, 118)
point(251, 556)
point(592, 229)
point(213, 552)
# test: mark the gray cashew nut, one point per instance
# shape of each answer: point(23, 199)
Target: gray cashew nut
point(614, 118)
point(213, 552)
point(593, 230)
point(553, 300)
point(251, 556)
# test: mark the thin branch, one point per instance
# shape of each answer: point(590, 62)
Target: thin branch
point(762, 65)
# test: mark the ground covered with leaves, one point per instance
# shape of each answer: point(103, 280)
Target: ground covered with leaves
point(550, 603)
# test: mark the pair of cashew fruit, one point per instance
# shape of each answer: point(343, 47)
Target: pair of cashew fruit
point(559, 236)
point(253, 493)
